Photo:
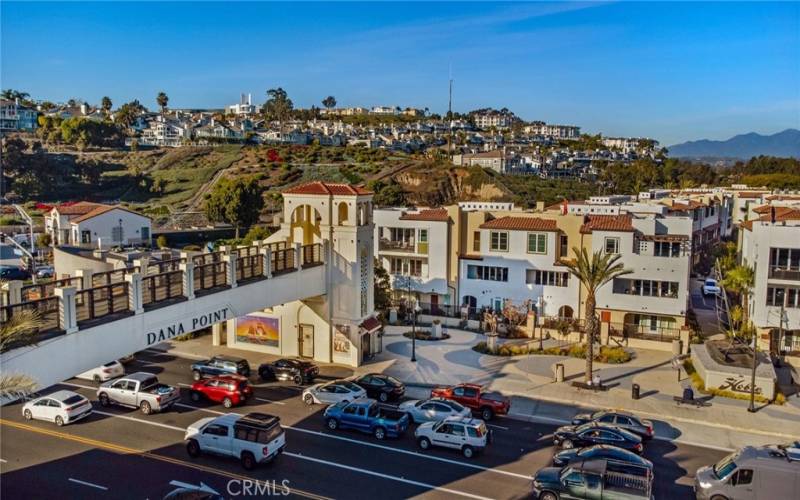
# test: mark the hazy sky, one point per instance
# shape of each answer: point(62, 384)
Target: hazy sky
point(672, 71)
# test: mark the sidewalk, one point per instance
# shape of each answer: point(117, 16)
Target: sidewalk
point(529, 380)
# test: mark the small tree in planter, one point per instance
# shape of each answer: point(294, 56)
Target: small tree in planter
point(516, 315)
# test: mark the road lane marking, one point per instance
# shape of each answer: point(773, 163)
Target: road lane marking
point(387, 476)
point(148, 454)
point(497, 427)
point(133, 419)
point(183, 405)
point(408, 452)
point(271, 401)
point(92, 485)
point(72, 384)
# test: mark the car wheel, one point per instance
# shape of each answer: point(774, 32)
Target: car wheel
point(298, 380)
point(567, 444)
point(96, 379)
point(333, 424)
point(193, 448)
point(424, 443)
point(308, 399)
point(145, 407)
point(59, 420)
point(227, 403)
point(546, 495)
point(379, 433)
point(248, 460)
point(487, 413)
point(28, 415)
point(104, 399)
point(195, 396)
point(468, 451)
point(719, 497)
point(383, 397)
point(196, 375)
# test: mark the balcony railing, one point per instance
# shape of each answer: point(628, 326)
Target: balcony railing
point(641, 331)
point(43, 290)
point(46, 307)
point(211, 275)
point(283, 261)
point(783, 273)
point(396, 245)
point(249, 267)
point(312, 255)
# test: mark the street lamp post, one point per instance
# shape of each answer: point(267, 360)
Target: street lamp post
point(416, 311)
point(752, 408)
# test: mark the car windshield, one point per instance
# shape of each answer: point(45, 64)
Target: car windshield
point(350, 386)
point(711, 283)
point(73, 399)
point(113, 363)
point(456, 406)
point(724, 467)
point(493, 396)
point(393, 381)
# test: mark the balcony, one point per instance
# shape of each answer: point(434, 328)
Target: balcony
point(782, 273)
point(396, 245)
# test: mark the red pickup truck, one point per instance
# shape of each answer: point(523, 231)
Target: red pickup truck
point(488, 404)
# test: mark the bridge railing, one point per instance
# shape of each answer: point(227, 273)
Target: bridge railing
point(162, 287)
point(101, 301)
point(131, 290)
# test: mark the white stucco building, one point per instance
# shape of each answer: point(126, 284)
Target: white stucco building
point(96, 225)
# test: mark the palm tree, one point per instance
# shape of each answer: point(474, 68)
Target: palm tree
point(594, 272)
point(741, 280)
point(21, 328)
point(329, 102)
point(162, 100)
point(106, 104)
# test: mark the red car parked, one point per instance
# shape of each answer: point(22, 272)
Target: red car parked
point(488, 404)
point(229, 390)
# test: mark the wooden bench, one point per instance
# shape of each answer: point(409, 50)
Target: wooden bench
point(588, 387)
point(695, 402)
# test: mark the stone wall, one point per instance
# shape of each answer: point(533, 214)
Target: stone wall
point(732, 378)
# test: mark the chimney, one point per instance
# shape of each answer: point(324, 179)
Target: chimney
point(540, 206)
point(83, 108)
point(772, 214)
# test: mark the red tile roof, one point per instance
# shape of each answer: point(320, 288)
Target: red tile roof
point(327, 188)
point(521, 224)
point(781, 214)
point(371, 324)
point(750, 194)
point(607, 223)
point(80, 208)
point(100, 210)
point(433, 214)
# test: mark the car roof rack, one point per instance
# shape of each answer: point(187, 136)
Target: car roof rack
point(262, 420)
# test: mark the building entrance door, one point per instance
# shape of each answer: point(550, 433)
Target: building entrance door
point(307, 341)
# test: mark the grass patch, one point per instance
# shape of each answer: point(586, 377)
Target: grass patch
point(609, 355)
point(699, 385)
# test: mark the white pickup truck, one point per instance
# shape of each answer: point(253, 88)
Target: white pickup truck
point(138, 390)
point(253, 438)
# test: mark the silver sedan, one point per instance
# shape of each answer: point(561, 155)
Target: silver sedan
point(433, 410)
point(333, 392)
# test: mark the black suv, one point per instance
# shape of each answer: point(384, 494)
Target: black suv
point(14, 273)
point(297, 370)
point(220, 365)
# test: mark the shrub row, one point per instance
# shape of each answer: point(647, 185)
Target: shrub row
point(611, 355)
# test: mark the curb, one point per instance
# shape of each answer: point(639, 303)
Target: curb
point(520, 416)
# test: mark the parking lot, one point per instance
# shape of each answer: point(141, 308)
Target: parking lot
point(121, 453)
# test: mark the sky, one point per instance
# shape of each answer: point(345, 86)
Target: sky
point(670, 71)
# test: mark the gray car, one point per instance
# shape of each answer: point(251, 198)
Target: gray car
point(433, 410)
point(622, 419)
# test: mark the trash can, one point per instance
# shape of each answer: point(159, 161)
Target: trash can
point(635, 391)
point(688, 394)
point(559, 372)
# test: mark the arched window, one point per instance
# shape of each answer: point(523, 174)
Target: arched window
point(342, 213)
point(565, 312)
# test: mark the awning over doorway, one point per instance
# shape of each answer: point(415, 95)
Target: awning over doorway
point(371, 325)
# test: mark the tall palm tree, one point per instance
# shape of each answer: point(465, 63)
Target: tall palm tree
point(162, 100)
point(106, 104)
point(21, 328)
point(594, 272)
point(741, 280)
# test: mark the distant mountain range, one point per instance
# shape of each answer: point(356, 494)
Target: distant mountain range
point(783, 144)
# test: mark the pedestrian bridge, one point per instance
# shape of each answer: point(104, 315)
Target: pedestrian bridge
point(92, 319)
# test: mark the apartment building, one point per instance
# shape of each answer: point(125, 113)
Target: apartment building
point(413, 246)
point(496, 160)
point(493, 119)
point(770, 244)
point(15, 117)
point(553, 131)
point(244, 107)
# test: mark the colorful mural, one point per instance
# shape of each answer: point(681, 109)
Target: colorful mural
point(258, 330)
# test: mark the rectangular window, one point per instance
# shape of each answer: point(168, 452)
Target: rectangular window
point(423, 235)
point(546, 278)
point(611, 245)
point(145, 232)
point(667, 249)
point(498, 241)
point(116, 234)
point(646, 288)
point(86, 236)
point(537, 243)
point(563, 245)
point(487, 273)
point(476, 241)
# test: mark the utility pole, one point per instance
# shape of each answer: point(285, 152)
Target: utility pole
point(450, 112)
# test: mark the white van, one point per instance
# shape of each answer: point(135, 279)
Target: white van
point(763, 473)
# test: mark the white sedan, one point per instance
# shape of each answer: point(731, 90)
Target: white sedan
point(61, 407)
point(108, 371)
point(711, 287)
point(333, 392)
point(433, 410)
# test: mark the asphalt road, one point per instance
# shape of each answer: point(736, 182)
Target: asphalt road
point(120, 453)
